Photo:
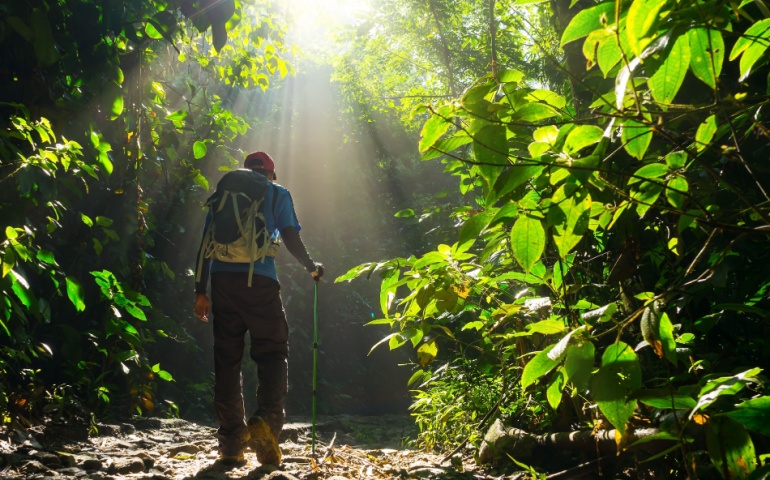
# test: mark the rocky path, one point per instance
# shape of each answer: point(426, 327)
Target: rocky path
point(347, 448)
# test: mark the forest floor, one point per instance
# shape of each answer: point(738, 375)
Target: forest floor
point(347, 447)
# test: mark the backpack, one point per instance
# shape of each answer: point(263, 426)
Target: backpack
point(237, 232)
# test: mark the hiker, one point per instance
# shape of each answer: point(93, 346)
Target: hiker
point(245, 297)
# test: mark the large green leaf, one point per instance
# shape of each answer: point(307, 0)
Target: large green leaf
point(581, 137)
point(619, 375)
point(199, 149)
point(707, 54)
point(705, 133)
point(569, 216)
point(636, 137)
point(475, 225)
point(579, 363)
point(588, 20)
point(527, 241)
point(76, 293)
point(513, 177)
point(432, 130)
point(642, 23)
point(717, 387)
point(752, 45)
point(447, 145)
point(667, 79)
point(675, 190)
point(754, 414)
point(537, 367)
point(730, 448)
point(553, 393)
point(42, 39)
point(490, 145)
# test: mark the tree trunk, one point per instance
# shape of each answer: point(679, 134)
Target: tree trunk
point(574, 60)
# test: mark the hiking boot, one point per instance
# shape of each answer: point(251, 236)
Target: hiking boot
point(263, 442)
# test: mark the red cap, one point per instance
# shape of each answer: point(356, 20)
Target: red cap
point(261, 161)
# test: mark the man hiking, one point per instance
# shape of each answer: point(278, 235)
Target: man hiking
point(245, 297)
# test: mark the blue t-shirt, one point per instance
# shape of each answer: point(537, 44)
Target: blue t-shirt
point(276, 219)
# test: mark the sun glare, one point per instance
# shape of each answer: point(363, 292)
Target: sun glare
point(315, 21)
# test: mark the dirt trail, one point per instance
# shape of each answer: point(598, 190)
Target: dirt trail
point(347, 447)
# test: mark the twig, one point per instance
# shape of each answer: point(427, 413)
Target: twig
point(329, 450)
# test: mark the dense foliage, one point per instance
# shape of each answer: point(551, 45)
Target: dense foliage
point(108, 108)
point(610, 268)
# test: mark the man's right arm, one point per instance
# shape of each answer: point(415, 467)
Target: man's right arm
point(296, 247)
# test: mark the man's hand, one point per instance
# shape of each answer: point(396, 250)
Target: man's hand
point(202, 306)
point(317, 272)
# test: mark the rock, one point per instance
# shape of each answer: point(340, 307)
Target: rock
point(126, 465)
point(72, 472)
point(65, 432)
point(47, 459)
point(34, 466)
point(67, 459)
point(127, 428)
point(104, 430)
point(91, 464)
point(190, 448)
point(281, 476)
point(148, 423)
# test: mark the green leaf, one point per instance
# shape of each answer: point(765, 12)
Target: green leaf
point(20, 287)
point(754, 414)
point(513, 177)
point(619, 375)
point(717, 387)
point(406, 213)
point(76, 293)
point(675, 189)
point(579, 363)
point(676, 160)
point(705, 133)
point(636, 137)
point(509, 76)
point(11, 233)
point(201, 181)
point(199, 149)
point(432, 130)
point(730, 448)
point(587, 20)
point(490, 146)
point(569, 216)
point(667, 79)
point(642, 23)
point(581, 137)
point(553, 394)
point(537, 367)
point(752, 45)
point(104, 221)
point(475, 225)
point(415, 376)
point(113, 101)
point(46, 256)
point(426, 353)
point(534, 112)
point(707, 54)
point(164, 375)
point(665, 399)
point(447, 145)
point(135, 312)
point(650, 171)
point(527, 241)
point(9, 261)
point(547, 327)
point(42, 39)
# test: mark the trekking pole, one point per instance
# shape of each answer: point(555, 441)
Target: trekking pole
point(315, 361)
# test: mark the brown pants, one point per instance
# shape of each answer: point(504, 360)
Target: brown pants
point(258, 310)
